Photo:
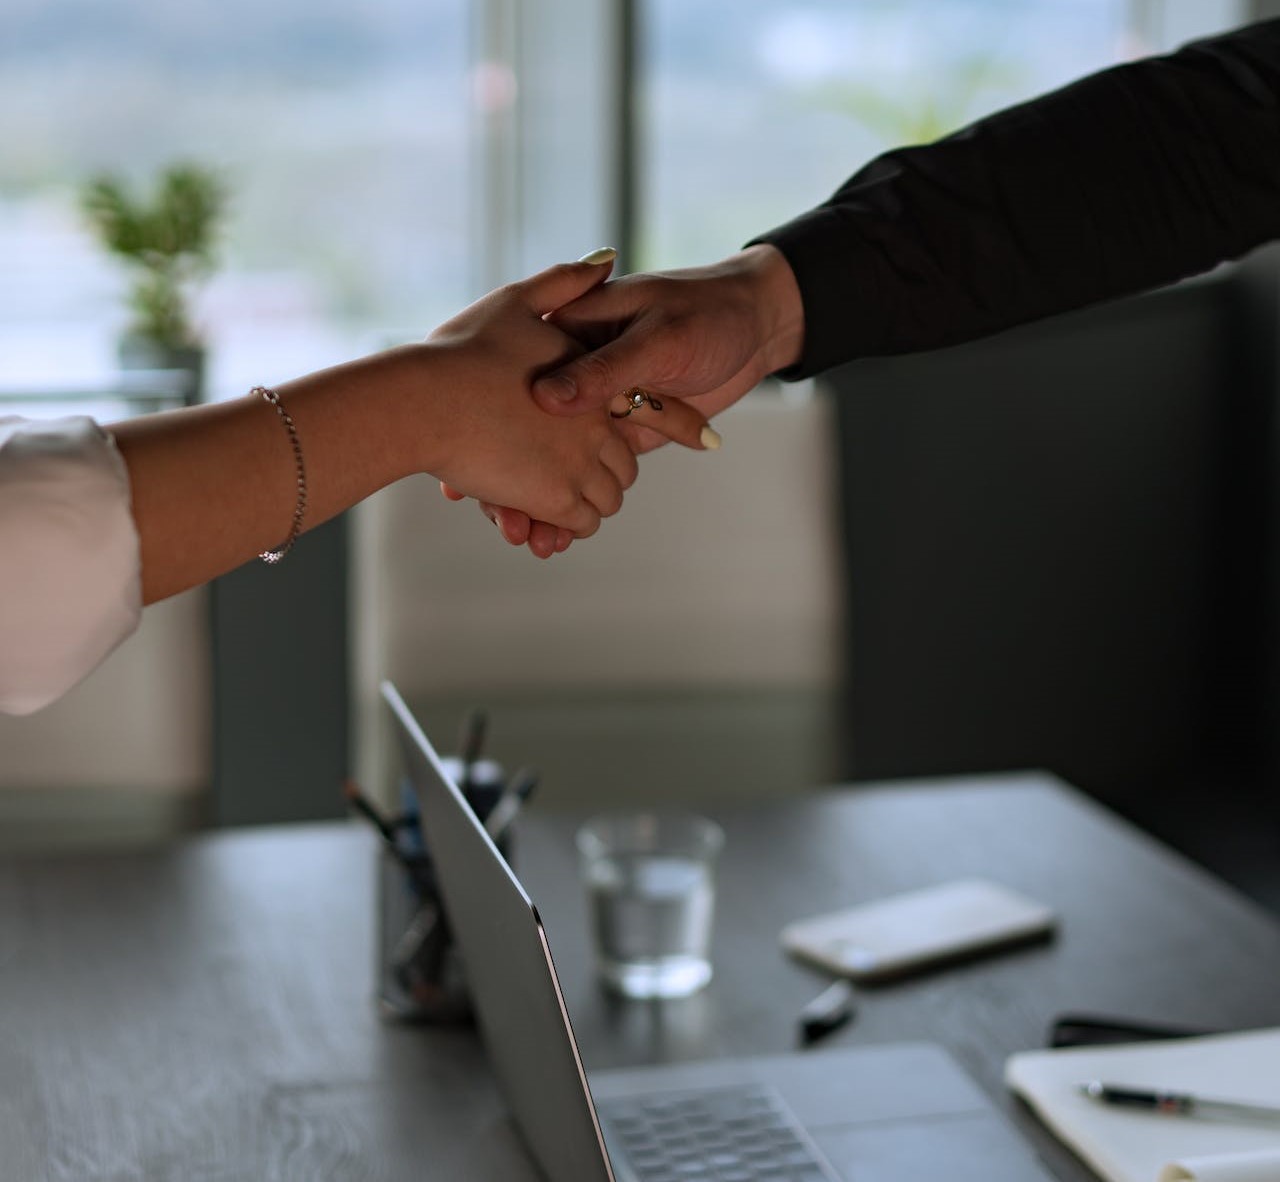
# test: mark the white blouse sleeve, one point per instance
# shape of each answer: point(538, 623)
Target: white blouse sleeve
point(70, 572)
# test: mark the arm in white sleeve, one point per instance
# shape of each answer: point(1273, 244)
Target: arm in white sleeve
point(70, 575)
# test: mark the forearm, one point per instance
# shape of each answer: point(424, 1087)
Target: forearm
point(1129, 179)
point(214, 486)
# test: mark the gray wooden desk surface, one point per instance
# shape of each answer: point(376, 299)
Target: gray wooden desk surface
point(206, 1011)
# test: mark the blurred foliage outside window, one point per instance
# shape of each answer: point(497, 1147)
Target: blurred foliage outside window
point(752, 111)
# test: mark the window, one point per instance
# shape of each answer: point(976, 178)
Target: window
point(751, 111)
point(341, 129)
point(349, 140)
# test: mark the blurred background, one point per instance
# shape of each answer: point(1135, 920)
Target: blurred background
point(1050, 549)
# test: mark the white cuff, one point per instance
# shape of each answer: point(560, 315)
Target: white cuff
point(70, 568)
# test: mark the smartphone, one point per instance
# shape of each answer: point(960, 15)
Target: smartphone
point(908, 933)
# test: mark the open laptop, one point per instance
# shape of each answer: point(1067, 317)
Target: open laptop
point(896, 1113)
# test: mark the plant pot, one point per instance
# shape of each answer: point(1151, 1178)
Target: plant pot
point(140, 352)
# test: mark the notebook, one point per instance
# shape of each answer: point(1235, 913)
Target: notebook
point(887, 1113)
point(1136, 1145)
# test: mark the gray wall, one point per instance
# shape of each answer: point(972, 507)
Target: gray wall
point(1054, 546)
point(281, 685)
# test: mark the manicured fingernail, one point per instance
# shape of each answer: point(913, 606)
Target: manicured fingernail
point(560, 388)
point(602, 254)
point(710, 438)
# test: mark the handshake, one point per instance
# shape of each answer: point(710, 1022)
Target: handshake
point(555, 384)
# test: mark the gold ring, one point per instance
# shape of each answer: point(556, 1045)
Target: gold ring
point(636, 398)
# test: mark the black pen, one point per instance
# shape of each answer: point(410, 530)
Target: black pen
point(361, 803)
point(472, 743)
point(413, 863)
point(526, 780)
point(508, 805)
point(409, 950)
point(1178, 1103)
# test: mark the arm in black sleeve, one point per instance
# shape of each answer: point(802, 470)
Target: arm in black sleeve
point(1126, 180)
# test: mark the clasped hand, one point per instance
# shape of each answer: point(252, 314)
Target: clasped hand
point(565, 473)
point(708, 333)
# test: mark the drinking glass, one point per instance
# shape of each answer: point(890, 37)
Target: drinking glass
point(650, 881)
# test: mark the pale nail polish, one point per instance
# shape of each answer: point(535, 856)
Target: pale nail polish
point(602, 254)
point(710, 438)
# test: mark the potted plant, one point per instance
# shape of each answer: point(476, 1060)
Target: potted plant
point(168, 243)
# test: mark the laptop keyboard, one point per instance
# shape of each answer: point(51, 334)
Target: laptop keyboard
point(743, 1133)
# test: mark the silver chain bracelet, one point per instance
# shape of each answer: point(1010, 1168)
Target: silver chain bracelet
point(271, 557)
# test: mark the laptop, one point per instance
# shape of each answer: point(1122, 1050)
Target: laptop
point(902, 1112)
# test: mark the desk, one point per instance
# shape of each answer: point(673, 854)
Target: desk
point(206, 1011)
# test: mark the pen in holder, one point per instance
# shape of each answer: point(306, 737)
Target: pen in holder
point(420, 975)
point(420, 972)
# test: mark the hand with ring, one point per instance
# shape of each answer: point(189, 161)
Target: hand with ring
point(708, 333)
point(642, 419)
point(635, 399)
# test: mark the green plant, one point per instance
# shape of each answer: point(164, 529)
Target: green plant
point(168, 241)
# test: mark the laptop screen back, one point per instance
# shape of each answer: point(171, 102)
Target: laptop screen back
point(509, 971)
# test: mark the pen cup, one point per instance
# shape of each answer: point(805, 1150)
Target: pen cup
point(650, 881)
point(420, 975)
point(419, 970)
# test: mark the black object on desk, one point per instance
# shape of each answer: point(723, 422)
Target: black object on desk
point(832, 1008)
point(1094, 1030)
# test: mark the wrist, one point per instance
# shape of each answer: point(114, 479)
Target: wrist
point(427, 421)
point(778, 306)
point(389, 407)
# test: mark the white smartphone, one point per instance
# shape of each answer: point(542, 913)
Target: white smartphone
point(906, 933)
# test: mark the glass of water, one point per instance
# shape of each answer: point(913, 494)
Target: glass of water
point(651, 893)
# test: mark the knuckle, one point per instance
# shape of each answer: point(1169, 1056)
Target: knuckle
point(565, 504)
point(595, 371)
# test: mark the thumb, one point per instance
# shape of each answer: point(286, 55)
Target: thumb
point(559, 285)
point(590, 381)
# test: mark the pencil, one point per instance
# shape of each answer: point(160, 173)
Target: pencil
point(361, 803)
